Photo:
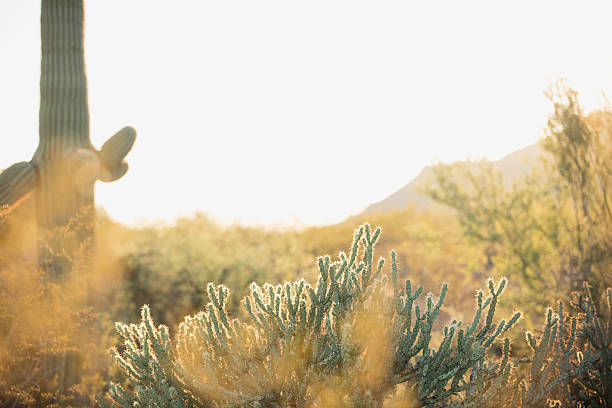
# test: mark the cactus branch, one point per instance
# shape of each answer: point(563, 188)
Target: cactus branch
point(113, 152)
point(16, 182)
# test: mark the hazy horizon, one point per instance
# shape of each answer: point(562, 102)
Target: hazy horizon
point(277, 113)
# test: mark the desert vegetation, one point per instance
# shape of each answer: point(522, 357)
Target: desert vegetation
point(493, 288)
point(247, 316)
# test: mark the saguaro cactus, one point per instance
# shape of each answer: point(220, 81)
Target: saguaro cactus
point(65, 166)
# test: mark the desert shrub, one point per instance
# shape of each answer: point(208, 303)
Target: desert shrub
point(49, 333)
point(167, 267)
point(360, 338)
point(552, 228)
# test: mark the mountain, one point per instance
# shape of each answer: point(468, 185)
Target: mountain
point(512, 166)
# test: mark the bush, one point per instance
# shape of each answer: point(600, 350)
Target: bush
point(355, 340)
point(552, 229)
point(49, 335)
point(168, 267)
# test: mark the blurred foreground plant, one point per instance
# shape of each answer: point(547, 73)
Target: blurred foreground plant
point(51, 331)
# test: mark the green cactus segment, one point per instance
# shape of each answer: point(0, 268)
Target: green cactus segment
point(62, 191)
point(113, 153)
point(16, 182)
point(64, 112)
point(65, 166)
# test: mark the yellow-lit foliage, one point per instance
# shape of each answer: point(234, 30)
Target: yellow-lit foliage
point(50, 331)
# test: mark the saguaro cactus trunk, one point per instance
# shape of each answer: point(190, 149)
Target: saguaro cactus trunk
point(65, 165)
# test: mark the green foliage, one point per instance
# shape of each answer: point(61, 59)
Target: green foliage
point(551, 228)
point(580, 148)
point(167, 267)
point(354, 340)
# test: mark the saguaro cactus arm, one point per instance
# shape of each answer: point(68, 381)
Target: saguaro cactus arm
point(16, 182)
point(107, 164)
point(113, 152)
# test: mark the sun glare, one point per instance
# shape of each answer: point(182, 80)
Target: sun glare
point(274, 113)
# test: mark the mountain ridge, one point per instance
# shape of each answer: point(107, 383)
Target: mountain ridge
point(512, 166)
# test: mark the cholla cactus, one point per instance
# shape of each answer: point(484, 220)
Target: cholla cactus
point(348, 341)
point(593, 360)
point(571, 361)
point(353, 340)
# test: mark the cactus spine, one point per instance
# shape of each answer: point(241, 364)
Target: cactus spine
point(65, 165)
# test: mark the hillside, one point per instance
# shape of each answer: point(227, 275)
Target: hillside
point(511, 166)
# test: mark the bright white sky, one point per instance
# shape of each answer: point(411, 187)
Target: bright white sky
point(274, 112)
